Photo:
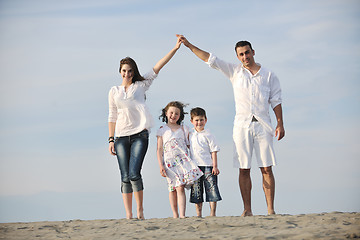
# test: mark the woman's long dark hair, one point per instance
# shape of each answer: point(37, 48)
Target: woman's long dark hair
point(132, 63)
point(176, 104)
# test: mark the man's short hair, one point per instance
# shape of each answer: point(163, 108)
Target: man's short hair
point(243, 44)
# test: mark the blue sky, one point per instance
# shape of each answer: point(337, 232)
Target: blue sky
point(60, 58)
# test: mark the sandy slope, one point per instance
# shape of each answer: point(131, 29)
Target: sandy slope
point(334, 225)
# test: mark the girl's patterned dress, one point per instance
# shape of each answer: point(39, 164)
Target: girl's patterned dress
point(180, 169)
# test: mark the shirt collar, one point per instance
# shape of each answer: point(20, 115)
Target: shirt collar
point(247, 70)
point(194, 130)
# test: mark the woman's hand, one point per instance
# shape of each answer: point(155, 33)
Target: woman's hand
point(178, 42)
point(112, 149)
point(160, 64)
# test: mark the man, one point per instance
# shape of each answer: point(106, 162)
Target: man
point(255, 89)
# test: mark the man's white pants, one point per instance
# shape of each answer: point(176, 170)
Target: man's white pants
point(253, 139)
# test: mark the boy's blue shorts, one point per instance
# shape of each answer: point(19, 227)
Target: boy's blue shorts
point(209, 182)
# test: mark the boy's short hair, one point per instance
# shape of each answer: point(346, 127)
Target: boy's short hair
point(197, 112)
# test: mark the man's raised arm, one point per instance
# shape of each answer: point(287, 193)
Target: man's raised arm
point(197, 51)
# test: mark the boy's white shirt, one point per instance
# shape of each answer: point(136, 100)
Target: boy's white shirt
point(202, 144)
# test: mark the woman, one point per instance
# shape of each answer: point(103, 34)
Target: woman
point(129, 121)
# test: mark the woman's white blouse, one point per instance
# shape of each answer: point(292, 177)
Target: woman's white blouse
point(128, 109)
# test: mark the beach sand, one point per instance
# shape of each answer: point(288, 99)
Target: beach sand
point(335, 225)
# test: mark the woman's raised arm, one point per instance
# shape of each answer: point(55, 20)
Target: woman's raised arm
point(160, 64)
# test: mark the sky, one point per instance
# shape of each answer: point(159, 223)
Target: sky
point(59, 60)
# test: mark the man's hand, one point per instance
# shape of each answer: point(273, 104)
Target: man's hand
point(203, 55)
point(183, 40)
point(279, 132)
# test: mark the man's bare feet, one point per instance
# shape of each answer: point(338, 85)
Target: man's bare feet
point(271, 212)
point(246, 213)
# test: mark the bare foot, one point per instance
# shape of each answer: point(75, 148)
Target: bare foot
point(271, 212)
point(175, 215)
point(141, 215)
point(246, 213)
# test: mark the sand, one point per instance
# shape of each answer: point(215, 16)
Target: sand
point(335, 225)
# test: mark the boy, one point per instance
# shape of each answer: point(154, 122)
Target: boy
point(203, 150)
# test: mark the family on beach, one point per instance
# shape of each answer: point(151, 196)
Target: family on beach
point(188, 157)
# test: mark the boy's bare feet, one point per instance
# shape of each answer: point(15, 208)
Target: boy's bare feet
point(140, 214)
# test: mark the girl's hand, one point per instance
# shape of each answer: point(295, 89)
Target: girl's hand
point(215, 171)
point(162, 171)
point(112, 149)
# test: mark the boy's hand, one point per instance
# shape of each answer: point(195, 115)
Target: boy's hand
point(215, 171)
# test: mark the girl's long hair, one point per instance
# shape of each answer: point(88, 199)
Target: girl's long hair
point(176, 104)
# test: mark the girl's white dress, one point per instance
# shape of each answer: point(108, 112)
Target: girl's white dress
point(180, 169)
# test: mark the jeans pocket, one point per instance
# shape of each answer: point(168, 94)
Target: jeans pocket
point(144, 134)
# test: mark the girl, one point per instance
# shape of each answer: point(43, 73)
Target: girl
point(173, 156)
point(129, 120)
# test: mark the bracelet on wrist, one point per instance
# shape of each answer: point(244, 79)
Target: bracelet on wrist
point(111, 139)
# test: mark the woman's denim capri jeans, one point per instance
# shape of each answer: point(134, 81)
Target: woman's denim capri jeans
point(130, 152)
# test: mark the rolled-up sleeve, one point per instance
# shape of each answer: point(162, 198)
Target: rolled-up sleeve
point(226, 68)
point(275, 91)
point(211, 60)
point(112, 107)
point(149, 78)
